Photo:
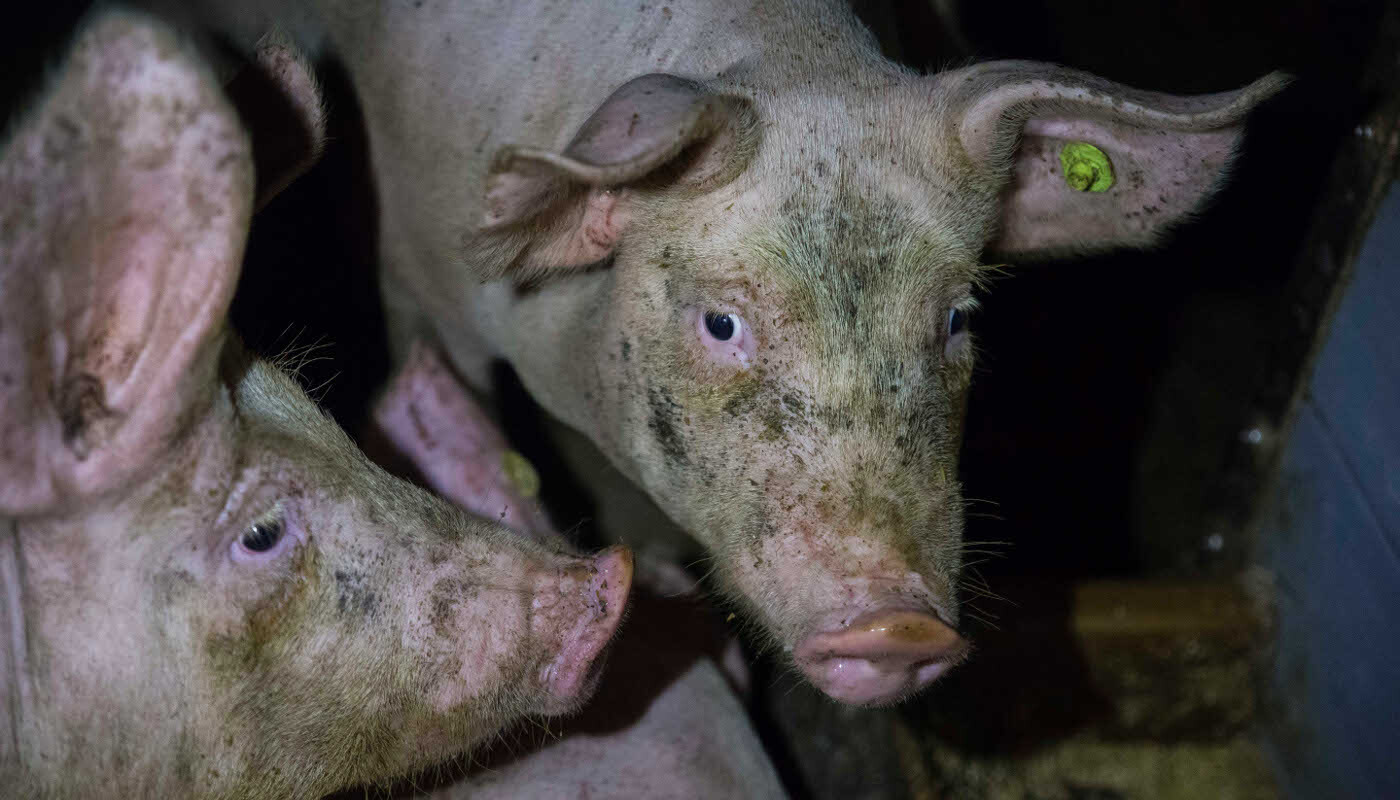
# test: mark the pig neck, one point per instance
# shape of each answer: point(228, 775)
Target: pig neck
point(14, 690)
point(39, 701)
point(553, 336)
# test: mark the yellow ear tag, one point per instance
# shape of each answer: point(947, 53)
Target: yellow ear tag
point(1086, 168)
point(521, 475)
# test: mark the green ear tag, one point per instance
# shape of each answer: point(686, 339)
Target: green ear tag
point(1086, 168)
point(521, 475)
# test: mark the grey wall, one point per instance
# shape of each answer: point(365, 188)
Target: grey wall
point(1332, 536)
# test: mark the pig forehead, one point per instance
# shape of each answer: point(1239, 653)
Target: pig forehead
point(856, 265)
point(896, 233)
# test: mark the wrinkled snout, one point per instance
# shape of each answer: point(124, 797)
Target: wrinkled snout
point(879, 657)
point(587, 602)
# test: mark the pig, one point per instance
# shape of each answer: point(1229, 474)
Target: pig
point(206, 590)
point(665, 723)
point(735, 248)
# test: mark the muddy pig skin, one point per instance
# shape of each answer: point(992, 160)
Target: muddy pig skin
point(205, 589)
point(664, 722)
point(734, 246)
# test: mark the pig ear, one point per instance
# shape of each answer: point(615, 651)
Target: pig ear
point(1088, 164)
point(560, 210)
point(428, 418)
point(124, 202)
point(281, 103)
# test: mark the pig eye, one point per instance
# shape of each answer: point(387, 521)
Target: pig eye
point(957, 321)
point(726, 337)
point(268, 536)
point(723, 326)
point(262, 536)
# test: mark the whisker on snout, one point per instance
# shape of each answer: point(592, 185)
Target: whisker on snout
point(982, 548)
point(982, 594)
point(982, 515)
point(974, 584)
point(986, 620)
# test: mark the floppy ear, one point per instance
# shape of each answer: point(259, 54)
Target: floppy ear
point(124, 204)
point(549, 210)
point(1087, 164)
point(429, 419)
point(280, 101)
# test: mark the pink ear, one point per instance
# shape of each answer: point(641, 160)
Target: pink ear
point(124, 203)
point(550, 210)
point(1098, 164)
point(432, 420)
point(280, 101)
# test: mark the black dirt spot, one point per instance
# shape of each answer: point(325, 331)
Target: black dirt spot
point(354, 594)
point(665, 417)
point(793, 403)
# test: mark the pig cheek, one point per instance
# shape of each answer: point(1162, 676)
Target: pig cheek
point(468, 635)
point(665, 453)
point(263, 609)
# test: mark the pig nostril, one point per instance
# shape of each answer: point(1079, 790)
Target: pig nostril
point(881, 656)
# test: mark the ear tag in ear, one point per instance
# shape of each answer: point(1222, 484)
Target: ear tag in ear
point(521, 475)
point(1086, 168)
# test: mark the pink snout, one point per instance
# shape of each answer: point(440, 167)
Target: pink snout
point(570, 676)
point(881, 656)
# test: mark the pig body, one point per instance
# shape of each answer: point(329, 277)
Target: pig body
point(205, 589)
point(735, 248)
point(688, 738)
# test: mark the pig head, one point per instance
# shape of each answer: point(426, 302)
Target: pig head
point(205, 589)
point(753, 296)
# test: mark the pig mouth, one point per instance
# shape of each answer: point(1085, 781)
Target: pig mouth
point(880, 657)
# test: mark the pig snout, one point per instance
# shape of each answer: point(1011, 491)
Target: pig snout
point(586, 602)
point(879, 656)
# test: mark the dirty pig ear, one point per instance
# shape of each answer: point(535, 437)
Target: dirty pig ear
point(124, 202)
point(281, 103)
point(428, 417)
point(550, 210)
point(1086, 164)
